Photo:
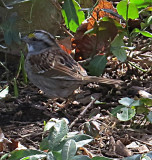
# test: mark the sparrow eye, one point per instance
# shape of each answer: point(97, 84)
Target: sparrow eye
point(62, 60)
point(34, 39)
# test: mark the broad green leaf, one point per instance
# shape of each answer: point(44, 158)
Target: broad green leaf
point(57, 132)
point(147, 101)
point(19, 154)
point(57, 155)
point(80, 139)
point(141, 3)
point(117, 110)
point(134, 157)
point(4, 92)
point(11, 33)
point(132, 10)
point(126, 114)
point(35, 157)
point(72, 16)
point(52, 122)
point(97, 65)
point(141, 109)
point(136, 103)
point(144, 33)
point(83, 142)
point(69, 150)
point(117, 48)
point(126, 101)
point(101, 158)
point(81, 157)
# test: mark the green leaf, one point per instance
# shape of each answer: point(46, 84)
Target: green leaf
point(142, 109)
point(141, 3)
point(4, 92)
point(144, 33)
point(69, 150)
point(117, 47)
point(83, 142)
point(97, 65)
point(72, 16)
point(56, 134)
point(101, 158)
point(20, 154)
point(35, 157)
point(117, 110)
point(57, 155)
point(11, 33)
point(136, 103)
point(80, 140)
point(52, 122)
point(147, 101)
point(132, 10)
point(81, 157)
point(126, 114)
point(126, 101)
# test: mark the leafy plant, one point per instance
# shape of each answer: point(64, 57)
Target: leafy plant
point(58, 145)
point(72, 15)
point(130, 108)
point(110, 33)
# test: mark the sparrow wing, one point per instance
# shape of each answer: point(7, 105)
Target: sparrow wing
point(56, 64)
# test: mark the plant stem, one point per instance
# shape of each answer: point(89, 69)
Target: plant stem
point(129, 41)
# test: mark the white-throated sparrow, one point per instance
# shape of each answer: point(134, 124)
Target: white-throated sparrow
point(53, 70)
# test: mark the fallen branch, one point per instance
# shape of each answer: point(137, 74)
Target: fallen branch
point(82, 113)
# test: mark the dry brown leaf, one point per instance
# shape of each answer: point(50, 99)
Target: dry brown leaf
point(143, 149)
point(88, 45)
point(122, 150)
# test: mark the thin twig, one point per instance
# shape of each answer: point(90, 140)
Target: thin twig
point(135, 139)
point(82, 113)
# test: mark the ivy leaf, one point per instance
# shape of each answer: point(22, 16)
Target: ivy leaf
point(117, 47)
point(126, 114)
point(72, 16)
point(97, 65)
point(11, 33)
point(132, 10)
point(144, 33)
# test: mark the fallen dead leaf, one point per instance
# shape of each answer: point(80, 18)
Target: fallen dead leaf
point(122, 150)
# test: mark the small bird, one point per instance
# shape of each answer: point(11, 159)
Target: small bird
point(54, 71)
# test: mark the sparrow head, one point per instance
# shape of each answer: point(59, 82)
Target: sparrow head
point(38, 40)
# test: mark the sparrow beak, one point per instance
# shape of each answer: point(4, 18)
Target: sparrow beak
point(25, 39)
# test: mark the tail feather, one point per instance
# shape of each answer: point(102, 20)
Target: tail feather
point(102, 80)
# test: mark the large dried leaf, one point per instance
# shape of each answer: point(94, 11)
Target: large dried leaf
point(87, 45)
